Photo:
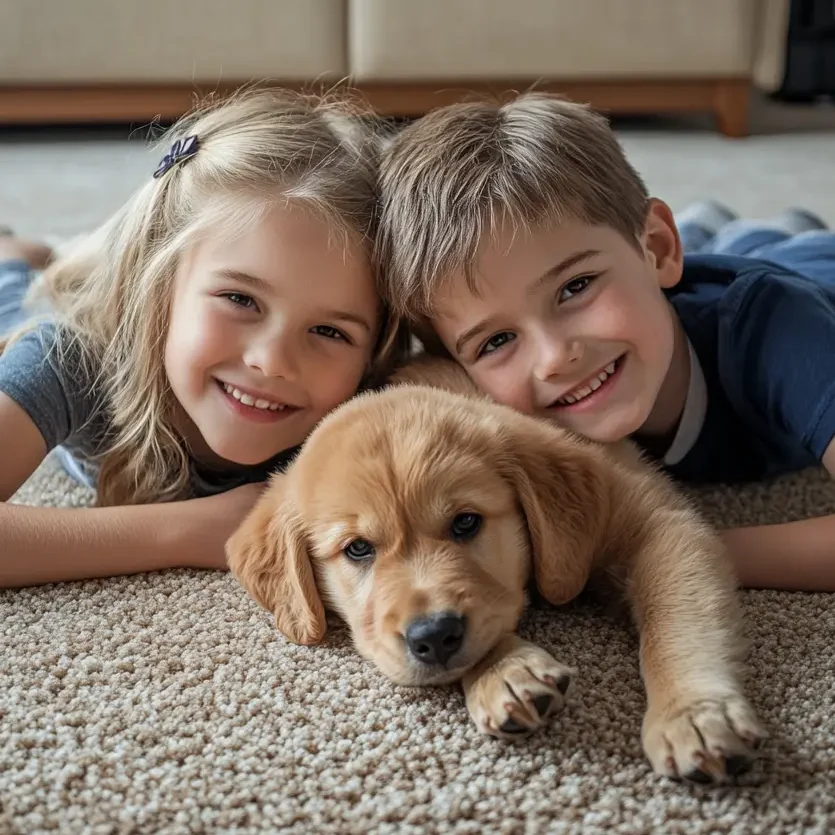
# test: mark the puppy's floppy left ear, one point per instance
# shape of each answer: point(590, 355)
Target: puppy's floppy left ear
point(268, 555)
point(563, 489)
point(436, 372)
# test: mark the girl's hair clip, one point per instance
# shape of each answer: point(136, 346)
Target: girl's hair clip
point(181, 150)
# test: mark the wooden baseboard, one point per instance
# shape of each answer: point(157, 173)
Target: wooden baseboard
point(727, 98)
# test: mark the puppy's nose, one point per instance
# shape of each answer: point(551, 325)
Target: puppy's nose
point(436, 638)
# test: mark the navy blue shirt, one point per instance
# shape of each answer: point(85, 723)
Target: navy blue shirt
point(765, 339)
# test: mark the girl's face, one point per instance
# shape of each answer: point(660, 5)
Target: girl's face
point(268, 332)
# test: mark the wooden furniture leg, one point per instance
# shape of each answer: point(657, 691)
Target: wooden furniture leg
point(731, 103)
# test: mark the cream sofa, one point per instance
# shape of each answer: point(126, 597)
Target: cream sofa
point(93, 60)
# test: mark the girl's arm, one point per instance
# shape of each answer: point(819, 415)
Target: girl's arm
point(22, 448)
point(44, 545)
point(795, 555)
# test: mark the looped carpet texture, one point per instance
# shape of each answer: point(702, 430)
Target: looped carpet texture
point(167, 703)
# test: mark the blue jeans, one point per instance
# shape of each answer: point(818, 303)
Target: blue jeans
point(810, 253)
point(15, 278)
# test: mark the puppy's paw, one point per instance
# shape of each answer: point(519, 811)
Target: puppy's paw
point(517, 691)
point(707, 740)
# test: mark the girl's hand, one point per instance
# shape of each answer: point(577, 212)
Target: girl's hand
point(48, 544)
point(213, 520)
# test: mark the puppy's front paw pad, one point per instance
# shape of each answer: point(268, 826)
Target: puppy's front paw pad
point(519, 693)
point(704, 741)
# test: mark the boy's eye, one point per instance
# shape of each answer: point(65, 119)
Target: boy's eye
point(329, 332)
point(575, 287)
point(240, 300)
point(495, 342)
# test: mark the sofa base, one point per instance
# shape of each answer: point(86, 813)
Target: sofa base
point(726, 98)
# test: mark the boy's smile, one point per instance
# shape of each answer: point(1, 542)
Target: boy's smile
point(572, 324)
point(590, 392)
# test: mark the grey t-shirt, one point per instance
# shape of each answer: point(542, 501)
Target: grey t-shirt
point(60, 396)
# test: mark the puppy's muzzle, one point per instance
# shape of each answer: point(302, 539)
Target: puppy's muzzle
point(434, 639)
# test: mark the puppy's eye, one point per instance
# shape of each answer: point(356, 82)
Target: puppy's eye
point(465, 526)
point(359, 550)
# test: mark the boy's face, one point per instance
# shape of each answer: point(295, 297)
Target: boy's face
point(571, 324)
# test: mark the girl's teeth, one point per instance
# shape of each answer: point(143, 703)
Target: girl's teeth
point(249, 400)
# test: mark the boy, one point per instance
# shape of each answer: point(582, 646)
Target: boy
point(519, 238)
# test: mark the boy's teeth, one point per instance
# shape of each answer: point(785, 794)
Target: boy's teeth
point(584, 391)
point(249, 400)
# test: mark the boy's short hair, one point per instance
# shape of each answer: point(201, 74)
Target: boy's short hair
point(454, 175)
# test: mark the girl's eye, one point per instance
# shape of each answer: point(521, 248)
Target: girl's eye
point(495, 342)
point(575, 287)
point(240, 300)
point(329, 332)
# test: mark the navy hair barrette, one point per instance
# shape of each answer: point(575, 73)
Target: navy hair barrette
point(181, 150)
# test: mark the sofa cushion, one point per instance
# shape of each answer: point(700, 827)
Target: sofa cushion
point(566, 39)
point(158, 41)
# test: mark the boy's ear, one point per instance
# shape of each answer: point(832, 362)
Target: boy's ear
point(662, 244)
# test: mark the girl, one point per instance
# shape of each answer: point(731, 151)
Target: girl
point(194, 340)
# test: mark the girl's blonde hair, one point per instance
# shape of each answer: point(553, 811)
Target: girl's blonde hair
point(111, 293)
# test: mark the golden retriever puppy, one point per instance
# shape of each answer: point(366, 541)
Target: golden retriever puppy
point(420, 515)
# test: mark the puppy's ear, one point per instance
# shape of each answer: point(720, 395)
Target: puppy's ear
point(563, 489)
point(269, 556)
point(435, 372)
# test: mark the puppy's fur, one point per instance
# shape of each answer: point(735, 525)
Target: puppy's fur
point(375, 520)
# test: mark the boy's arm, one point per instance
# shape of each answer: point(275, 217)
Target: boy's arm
point(777, 337)
point(795, 555)
point(46, 545)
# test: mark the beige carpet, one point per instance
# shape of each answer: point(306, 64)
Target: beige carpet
point(167, 704)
